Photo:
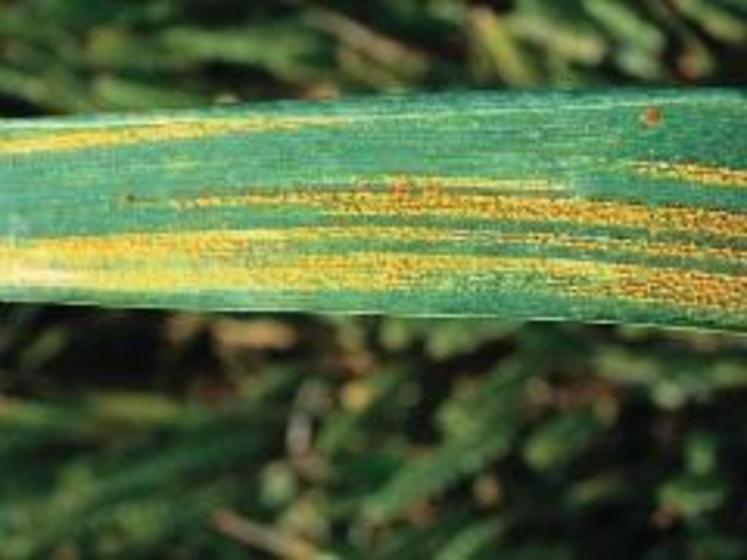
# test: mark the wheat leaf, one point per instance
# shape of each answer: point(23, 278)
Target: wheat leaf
point(620, 206)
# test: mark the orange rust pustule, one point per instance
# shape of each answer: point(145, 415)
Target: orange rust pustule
point(400, 187)
point(651, 117)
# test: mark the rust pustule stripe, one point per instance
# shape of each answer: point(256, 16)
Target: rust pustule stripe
point(701, 174)
point(447, 203)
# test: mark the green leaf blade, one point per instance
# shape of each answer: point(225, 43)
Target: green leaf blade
point(623, 206)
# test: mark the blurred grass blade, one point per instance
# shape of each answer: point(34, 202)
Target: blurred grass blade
point(575, 43)
point(133, 95)
point(641, 43)
point(626, 206)
point(279, 50)
point(503, 55)
point(376, 51)
point(719, 23)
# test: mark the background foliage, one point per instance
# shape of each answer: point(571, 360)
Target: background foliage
point(178, 436)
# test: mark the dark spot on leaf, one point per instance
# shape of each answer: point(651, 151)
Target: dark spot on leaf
point(651, 117)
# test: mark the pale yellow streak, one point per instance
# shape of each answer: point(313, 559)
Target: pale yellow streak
point(105, 136)
point(225, 245)
point(693, 172)
point(249, 260)
point(405, 182)
point(383, 272)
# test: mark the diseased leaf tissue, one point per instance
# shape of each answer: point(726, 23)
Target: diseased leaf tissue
point(627, 206)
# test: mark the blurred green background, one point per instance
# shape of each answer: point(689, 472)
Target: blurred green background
point(180, 436)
